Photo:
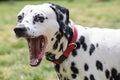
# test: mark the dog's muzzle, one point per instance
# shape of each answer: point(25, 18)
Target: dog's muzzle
point(20, 31)
point(36, 44)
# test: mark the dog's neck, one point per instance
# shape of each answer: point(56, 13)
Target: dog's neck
point(58, 43)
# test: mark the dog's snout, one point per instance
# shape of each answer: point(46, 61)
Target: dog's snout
point(20, 31)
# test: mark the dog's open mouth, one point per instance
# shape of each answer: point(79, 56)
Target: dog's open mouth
point(37, 48)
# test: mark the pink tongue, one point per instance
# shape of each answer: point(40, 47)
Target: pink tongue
point(34, 48)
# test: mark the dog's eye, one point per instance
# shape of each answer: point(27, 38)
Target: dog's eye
point(20, 18)
point(39, 18)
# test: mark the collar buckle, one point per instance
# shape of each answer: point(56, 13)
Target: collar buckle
point(73, 44)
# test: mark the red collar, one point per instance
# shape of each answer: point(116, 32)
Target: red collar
point(72, 45)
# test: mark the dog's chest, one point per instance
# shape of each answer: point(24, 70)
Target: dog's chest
point(67, 72)
point(70, 69)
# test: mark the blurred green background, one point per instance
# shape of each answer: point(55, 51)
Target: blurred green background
point(14, 59)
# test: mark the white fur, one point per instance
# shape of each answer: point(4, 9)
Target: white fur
point(108, 51)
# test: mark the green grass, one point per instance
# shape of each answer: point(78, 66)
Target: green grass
point(14, 59)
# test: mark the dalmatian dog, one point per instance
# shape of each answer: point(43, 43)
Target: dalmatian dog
point(78, 53)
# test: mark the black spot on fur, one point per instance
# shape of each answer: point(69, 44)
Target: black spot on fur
point(118, 77)
point(55, 46)
point(78, 45)
point(113, 72)
point(74, 68)
point(58, 38)
point(92, 77)
point(57, 68)
point(111, 78)
point(60, 76)
point(86, 78)
point(97, 45)
point(20, 17)
point(33, 22)
point(61, 47)
point(82, 39)
point(73, 76)
point(86, 67)
point(73, 64)
point(52, 39)
point(84, 46)
point(65, 78)
point(39, 18)
point(31, 10)
point(74, 53)
point(107, 74)
point(50, 56)
point(99, 65)
point(56, 33)
point(92, 49)
point(64, 70)
point(82, 42)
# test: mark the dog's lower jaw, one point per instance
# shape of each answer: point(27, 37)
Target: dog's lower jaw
point(37, 47)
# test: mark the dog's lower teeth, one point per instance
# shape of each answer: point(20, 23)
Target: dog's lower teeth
point(37, 61)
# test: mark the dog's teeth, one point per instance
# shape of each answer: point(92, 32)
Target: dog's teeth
point(37, 61)
point(34, 61)
point(42, 44)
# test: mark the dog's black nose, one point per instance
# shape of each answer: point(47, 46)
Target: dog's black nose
point(20, 31)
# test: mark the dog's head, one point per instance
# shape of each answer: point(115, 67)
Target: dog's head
point(38, 23)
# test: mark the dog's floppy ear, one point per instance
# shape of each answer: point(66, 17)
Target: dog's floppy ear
point(62, 15)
